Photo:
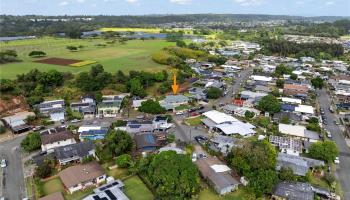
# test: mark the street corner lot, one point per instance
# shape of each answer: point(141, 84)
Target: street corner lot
point(58, 61)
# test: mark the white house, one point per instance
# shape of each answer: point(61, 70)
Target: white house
point(55, 137)
point(299, 132)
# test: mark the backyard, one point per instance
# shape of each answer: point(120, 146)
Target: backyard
point(135, 189)
point(134, 55)
point(209, 194)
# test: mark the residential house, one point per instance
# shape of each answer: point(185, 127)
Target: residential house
point(218, 175)
point(74, 152)
point(261, 78)
point(287, 145)
point(87, 107)
point(136, 103)
point(55, 109)
point(148, 142)
point(239, 111)
point(256, 96)
point(225, 124)
point(160, 123)
point(198, 93)
point(94, 131)
point(113, 190)
point(299, 165)
point(53, 196)
point(298, 132)
point(221, 143)
point(135, 126)
point(79, 177)
point(110, 105)
point(172, 101)
point(55, 137)
point(293, 191)
point(17, 122)
point(294, 89)
point(291, 116)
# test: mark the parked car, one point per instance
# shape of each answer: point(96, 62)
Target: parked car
point(336, 161)
point(75, 121)
point(179, 113)
point(194, 157)
point(329, 135)
point(37, 128)
point(200, 138)
point(194, 114)
point(140, 117)
point(3, 163)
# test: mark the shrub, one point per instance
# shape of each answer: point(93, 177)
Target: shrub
point(123, 161)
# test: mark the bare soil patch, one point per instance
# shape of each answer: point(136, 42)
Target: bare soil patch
point(58, 61)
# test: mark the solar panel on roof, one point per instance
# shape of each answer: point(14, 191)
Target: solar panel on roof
point(110, 195)
point(96, 197)
point(150, 139)
point(134, 126)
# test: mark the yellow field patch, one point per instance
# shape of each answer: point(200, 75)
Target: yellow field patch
point(83, 63)
point(146, 30)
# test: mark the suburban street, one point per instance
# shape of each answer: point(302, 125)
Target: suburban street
point(187, 133)
point(12, 183)
point(343, 169)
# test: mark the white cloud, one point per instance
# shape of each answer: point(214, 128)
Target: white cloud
point(182, 2)
point(80, 1)
point(249, 2)
point(328, 3)
point(131, 1)
point(63, 3)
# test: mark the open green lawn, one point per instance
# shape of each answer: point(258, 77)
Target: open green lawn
point(55, 185)
point(135, 189)
point(117, 173)
point(134, 55)
point(52, 186)
point(209, 194)
point(194, 121)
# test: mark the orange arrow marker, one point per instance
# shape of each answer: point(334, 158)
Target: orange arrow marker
point(175, 86)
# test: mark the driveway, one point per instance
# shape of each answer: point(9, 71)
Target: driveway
point(12, 179)
point(343, 169)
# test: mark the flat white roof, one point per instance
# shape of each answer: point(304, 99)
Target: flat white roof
point(238, 127)
point(305, 109)
point(231, 67)
point(261, 78)
point(291, 100)
point(220, 168)
point(294, 130)
point(17, 118)
point(219, 117)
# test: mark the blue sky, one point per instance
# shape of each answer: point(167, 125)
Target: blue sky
point(141, 7)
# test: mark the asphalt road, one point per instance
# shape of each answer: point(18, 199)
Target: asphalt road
point(343, 169)
point(12, 179)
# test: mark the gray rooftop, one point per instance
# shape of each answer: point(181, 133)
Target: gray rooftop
point(74, 150)
point(299, 165)
point(294, 191)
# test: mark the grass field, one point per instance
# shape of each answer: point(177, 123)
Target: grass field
point(52, 186)
point(134, 55)
point(145, 30)
point(135, 189)
point(209, 194)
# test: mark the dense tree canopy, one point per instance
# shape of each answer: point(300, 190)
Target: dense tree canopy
point(31, 142)
point(317, 82)
point(214, 93)
point(173, 176)
point(152, 107)
point(269, 104)
point(114, 144)
point(324, 150)
point(256, 161)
